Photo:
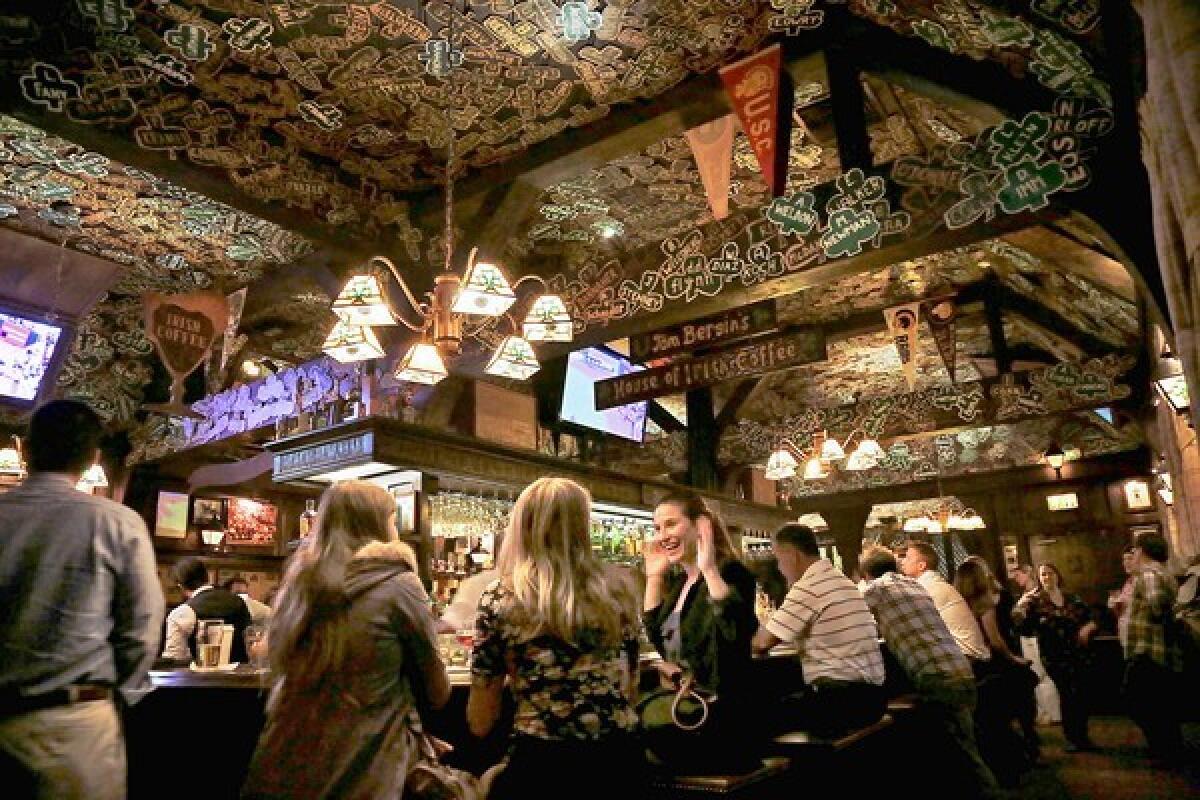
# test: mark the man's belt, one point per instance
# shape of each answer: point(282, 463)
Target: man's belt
point(12, 703)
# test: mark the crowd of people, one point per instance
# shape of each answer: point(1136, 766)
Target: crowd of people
point(355, 664)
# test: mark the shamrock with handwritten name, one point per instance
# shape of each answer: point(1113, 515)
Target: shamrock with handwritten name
point(1029, 186)
point(1005, 31)
point(325, 117)
point(46, 86)
point(191, 41)
point(577, 22)
point(980, 202)
point(8, 210)
point(848, 231)
point(109, 15)
point(440, 57)
point(856, 190)
point(794, 214)
point(1012, 141)
point(935, 34)
point(93, 165)
point(246, 35)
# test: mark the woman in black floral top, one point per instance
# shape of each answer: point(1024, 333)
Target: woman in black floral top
point(1063, 626)
point(564, 628)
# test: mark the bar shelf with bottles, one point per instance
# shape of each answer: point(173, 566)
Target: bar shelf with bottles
point(467, 525)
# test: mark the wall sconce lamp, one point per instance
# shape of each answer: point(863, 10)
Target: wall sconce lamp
point(1055, 457)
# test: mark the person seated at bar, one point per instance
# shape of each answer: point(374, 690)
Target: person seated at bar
point(462, 611)
point(921, 643)
point(1004, 683)
point(564, 628)
point(203, 601)
point(825, 617)
point(260, 613)
point(698, 611)
point(921, 564)
point(353, 657)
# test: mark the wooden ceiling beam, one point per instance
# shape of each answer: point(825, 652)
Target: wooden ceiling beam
point(1049, 320)
point(737, 399)
point(632, 127)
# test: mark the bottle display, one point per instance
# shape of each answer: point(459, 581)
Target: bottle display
point(308, 518)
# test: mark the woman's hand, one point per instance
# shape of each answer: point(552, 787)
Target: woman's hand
point(655, 559)
point(1085, 634)
point(706, 548)
point(669, 674)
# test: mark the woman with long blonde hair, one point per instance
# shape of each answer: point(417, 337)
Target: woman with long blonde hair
point(353, 658)
point(564, 627)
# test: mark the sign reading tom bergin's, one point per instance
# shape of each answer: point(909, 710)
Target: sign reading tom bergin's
point(767, 354)
point(706, 332)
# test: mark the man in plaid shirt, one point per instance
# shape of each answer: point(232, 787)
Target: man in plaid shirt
point(921, 643)
point(1152, 658)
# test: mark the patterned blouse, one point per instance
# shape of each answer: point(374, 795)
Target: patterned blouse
point(1056, 628)
point(563, 690)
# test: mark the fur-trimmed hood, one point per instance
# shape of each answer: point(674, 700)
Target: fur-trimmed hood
point(377, 562)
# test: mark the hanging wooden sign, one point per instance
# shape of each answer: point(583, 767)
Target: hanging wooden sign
point(767, 354)
point(735, 323)
point(182, 328)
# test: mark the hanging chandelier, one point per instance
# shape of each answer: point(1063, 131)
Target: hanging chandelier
point(458, 307)
point(826, 451)
point(948, 515)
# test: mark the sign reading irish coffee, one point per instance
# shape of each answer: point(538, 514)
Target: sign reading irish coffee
point(728, 325)
point(182, 328)
point(753, 358)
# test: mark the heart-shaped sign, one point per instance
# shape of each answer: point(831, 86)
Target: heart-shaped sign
point(182, 328)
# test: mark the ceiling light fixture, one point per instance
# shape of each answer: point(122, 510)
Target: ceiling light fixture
point(445, 320)
point(94, 478)
point(1055, 457)
point(783, 462)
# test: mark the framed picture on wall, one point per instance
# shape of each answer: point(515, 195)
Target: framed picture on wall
point(250, 522)
point(1137, 495)
point(208, 512)
point(171, 515)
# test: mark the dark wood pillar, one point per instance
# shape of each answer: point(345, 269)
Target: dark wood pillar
point(846, 527)
point(986, 542)
point(702, 440)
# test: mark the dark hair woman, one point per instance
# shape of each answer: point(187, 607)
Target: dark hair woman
point(1063, 626)
point(698, 611)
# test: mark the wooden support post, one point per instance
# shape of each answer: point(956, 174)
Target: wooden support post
point(702, 440)
point(849, 104)
point(995, 324)
point(846, 527)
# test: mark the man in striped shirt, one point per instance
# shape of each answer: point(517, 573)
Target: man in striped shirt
point(825, 618)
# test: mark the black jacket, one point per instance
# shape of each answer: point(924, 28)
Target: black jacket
point(715, 636)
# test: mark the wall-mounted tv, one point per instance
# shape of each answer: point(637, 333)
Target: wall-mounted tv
point(584, 368)
point(27, 348)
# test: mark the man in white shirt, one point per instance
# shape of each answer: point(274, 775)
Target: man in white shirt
point(825, 617)
point(203, 601)
point(260, 613)
point(920, 563)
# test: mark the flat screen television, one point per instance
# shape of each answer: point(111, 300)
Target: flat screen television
point(584, 368)
point(27, 350)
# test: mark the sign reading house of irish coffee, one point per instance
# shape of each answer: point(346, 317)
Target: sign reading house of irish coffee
point(324, 457)
point(753, 358)
point(706, 332)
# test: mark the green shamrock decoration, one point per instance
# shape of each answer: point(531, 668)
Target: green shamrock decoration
point(794, 214)
point(1028, 186)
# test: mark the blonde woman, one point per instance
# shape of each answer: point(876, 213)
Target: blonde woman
point(353, 658)
point(564, 628)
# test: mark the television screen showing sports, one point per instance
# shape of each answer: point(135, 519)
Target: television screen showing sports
point(26, 349)
point(584, 368)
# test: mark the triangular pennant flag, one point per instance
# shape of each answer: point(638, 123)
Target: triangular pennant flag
point(941, 313)
point(712, 146)
point(761, 95)
point(902, 326)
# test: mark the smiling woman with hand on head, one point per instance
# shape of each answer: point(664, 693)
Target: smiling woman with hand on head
point(699, 606)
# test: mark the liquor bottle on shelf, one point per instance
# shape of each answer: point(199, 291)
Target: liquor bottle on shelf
point(352, 409)
point(308, 518)
point(303, 418)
